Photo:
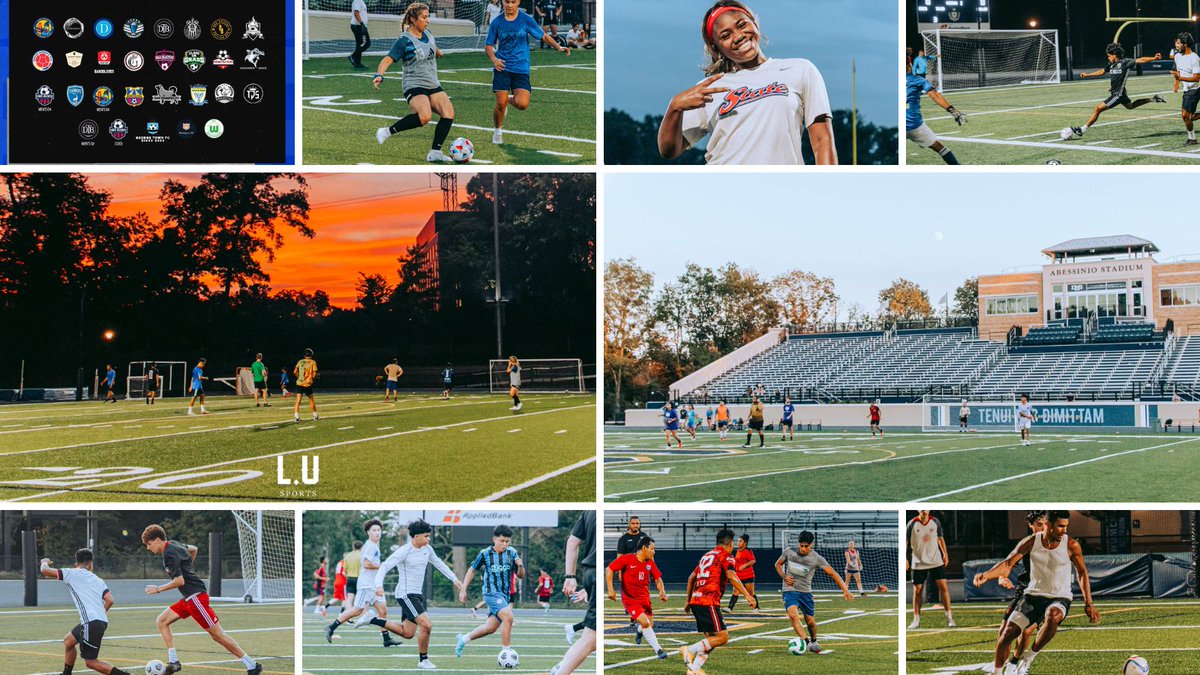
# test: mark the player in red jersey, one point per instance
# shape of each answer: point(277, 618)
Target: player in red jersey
point(744, 566)
point(321, 580)
point(705, 587)
point(339, 583)
point(873, 413)
point(637, 569)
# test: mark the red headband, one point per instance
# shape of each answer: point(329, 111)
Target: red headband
point(712, 18)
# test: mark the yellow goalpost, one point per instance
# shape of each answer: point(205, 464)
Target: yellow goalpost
point(1125, 21)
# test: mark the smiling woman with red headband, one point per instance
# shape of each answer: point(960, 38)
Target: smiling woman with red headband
point(755, 108)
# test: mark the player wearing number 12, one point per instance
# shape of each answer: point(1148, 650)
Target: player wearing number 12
point(637, 569)
point(705, 586)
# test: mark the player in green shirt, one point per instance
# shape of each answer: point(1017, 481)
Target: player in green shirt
point(259, 370)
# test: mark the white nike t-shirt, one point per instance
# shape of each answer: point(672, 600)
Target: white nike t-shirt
point(1187, 65)
point(762, 118)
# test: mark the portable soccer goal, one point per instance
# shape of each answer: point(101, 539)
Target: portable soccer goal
point(974, 59)
point(266, 540)
point(172, 378)
point(539, 376)
point(457, 25)
point(941, 413)
point(878, 551)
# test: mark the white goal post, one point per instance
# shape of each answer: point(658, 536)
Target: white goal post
point(942, 413)
point(878, 551)
point(172, 378)
point(266, 542)
point(975, 59)
point(539, 376)
point(457, 25)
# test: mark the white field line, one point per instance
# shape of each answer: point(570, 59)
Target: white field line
point(107, 636)
point(488, 84)
point(1078, 148)
point(283, 453)
point(1037, 107)
point(507, 132)
point(447, 71)
point(1053, 468)
point(534, 481)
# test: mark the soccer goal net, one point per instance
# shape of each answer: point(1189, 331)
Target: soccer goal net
point(945, 413)
point(970, 59)
point(878, 554)
point(266, 541)
point(457, 25)
point(172, 378)
point(539, 376)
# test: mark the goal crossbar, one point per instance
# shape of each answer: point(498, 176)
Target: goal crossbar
point(539, 376)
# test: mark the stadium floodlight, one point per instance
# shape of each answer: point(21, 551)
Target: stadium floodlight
point(975, 59)
point(109, 335)
point(457, 25)
point(266, 540)
point(540, 376)
point(878, 550)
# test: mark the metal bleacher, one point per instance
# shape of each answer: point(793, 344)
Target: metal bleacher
point(799, 362)
point(922, 358)
point(1081, 372)
point(1183, 366)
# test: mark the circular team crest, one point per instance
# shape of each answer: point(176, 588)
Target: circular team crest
point(134, 61)
point(103, 28)
point(73, 28)
point(43, 60)
point(43, 27)
point(221, 29)
point(102, 97)
point(214, 128)
point(191, 29)
point(44, 95)
point(134, 28)
point(88, 130)
point(119, 129)
point(224, 93)
point(163, 28)
point(252, 93)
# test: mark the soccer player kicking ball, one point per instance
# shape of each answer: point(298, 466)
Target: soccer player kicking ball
point(1187, 78)
point(497, 563)
point(92, 600)
point(306, 377)
point(705, 585)
point(1026, 416)
point(1047, 600)
point(637, 569)
point(411, 560)
point(198, 379)
point(916, 130)
point(179, 563)
point(507, 46)
point(1118, 69)
point(671, 424)
point(364, 590)
point(797, 567)
point(1037, 523)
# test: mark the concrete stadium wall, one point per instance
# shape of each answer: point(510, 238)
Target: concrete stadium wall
point(838, 415)
point(733, 359)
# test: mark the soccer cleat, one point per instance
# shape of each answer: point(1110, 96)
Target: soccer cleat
point(382, 134)
point(1190, 141)
point(1078, 131)
point(426, 665)
point(916, 623)
point(318, 610)
point(814, 648)
point(1022, 668)
point(661, 655)
point(518, 406)
point(637, 640)
point(389, 642)
point(950, 622)
point(437, 156)
point(350, 58)
point(329, 633)
point(498, 137)
point(1159, 99)
point(173, 667)
point(461, 644)
point(570, 631)
point(256, 670)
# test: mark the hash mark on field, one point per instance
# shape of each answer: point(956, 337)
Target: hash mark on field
point(755, 651)
point(344, 428)
point(561, 431)
point(984, 135)
point(14, 425)
point(1100, 142)
point(467, 431)
point(513, 431)
point(384, 428)
point(559, 154)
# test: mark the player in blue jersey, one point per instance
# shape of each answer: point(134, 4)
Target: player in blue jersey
point(110, 379)
point(197, 387)
point(447, 380)
point(691, 420)
point(916, 130)
point(785, 424)
point(496, 564)
point(507, 46)
point(283, 382)
point(671, 424)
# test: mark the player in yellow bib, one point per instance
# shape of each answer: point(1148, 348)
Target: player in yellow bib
point(306, 375)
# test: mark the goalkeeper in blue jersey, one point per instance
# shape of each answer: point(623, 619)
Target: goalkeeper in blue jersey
point(915, 128)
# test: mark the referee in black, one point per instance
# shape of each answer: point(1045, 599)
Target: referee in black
point(580, 585)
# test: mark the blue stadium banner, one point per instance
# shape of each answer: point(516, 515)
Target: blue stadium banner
point(1058, 415)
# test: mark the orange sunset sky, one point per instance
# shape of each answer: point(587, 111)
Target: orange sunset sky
point(363, 223)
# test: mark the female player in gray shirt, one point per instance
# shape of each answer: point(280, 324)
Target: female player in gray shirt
point(417, 50)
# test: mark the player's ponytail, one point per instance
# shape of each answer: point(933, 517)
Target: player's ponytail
point(410, 15)
point(718, 62)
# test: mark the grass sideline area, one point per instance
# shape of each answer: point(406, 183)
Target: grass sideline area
point(861, 637)
point(538, 638)
point(129, 451)
point(900, 467)
point(1020, 125)
point(342, 110)
point(31, 639)
point(1161, 631)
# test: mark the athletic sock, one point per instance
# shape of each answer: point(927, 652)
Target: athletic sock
point(378, 622)
point(948, 156)
point(335, 624)
point(411, 121)
point(516, 400)
point(424, 656)
point(441, 131)
point(1192, 135)
point(172, 657)
point(118, 671)
point(1029, 656)
point(698, 662)
point(248, 662)
point(1014, 659)
point(732, 602)
point(648, 633)
point(67, 669)
point(577, 627)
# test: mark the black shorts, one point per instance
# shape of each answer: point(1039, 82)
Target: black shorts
point(260, 386)
point(89, 635)
point(875, 422)
point(447, 386)
point(1034, 608)
point(104, 387)
point(1119, 98)
point(351, 584)
point(920, 577)
point(785, 423)
point(1012, 606)
point(319, 587)
point(747, 582)
point(421, 91)
point(512, 598)
point(962, 419)
point(411, 606)
point(152, 385)
point(587, 580)
point(304, 391)
point(1190, 99)
point(708, 619)
point(756, 425)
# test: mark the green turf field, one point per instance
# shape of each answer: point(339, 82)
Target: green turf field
point(470, 448)
point(856, 467)
point(31, 639)
point(861, 637)
point(342, 111)
point(538, 638)
point(1164, 632)
point(1020, 125)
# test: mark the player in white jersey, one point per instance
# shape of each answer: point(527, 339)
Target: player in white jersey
point(1026, 416)
point(1047, 599)
point(92, 600)
point(365, 593)
point(1187, 80)
point(753, 109)
point(927, 561)
point(410, 560)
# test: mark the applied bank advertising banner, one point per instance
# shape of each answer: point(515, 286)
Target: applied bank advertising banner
point(492, 518)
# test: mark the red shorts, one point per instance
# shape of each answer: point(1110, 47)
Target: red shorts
point(636, 608)
point(196, 606)
point(339, 591)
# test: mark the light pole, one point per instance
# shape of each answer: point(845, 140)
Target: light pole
point(1067, 10)
point(497, 299)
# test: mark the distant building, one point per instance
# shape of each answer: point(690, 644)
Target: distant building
point(446, 230)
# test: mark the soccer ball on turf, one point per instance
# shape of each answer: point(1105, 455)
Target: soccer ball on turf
point(461, 150)
point(1067, 134)
point(508, 658)
point(1136, 665)
point(155, 667)
point(798, 646)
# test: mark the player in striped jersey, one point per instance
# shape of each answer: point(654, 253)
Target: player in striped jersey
point(447, 380)
point(705, 586)
point(365, 595)
point(411, 560)
point(179, 564)
point(1118, 69)
point(496, 564)
point(92, 600)
point(306, 376)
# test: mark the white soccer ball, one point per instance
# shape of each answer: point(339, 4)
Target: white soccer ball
point(798, 646)
point(155, 667)
point(1066, 134)
point(1136, 665)
point(462, 150)
point(508, 658)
